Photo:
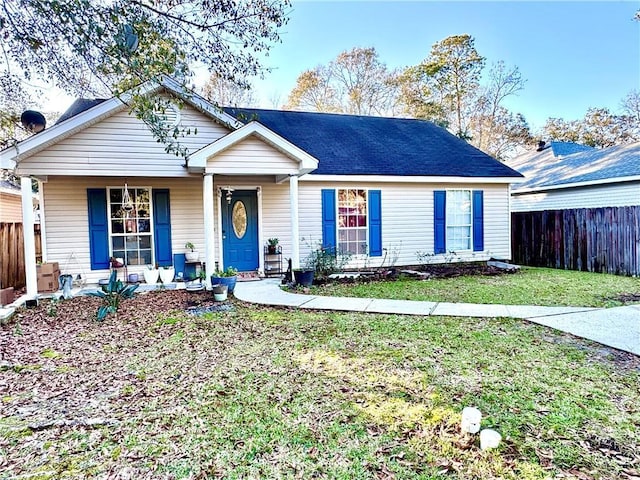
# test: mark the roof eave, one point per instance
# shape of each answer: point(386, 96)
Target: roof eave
point(313, 177)
point(590, 183)
point(198, 160)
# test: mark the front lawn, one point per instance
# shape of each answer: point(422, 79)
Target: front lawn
point(275, 393)
point(529, 286)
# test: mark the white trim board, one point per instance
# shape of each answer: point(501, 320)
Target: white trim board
point(407, 179)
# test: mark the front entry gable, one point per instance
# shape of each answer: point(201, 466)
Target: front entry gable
point(255, 150)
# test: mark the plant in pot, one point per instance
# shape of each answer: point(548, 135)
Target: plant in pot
point(304, 275)
point(319, 264)
point(272, 246)
point(192, 255)
point(226, 277)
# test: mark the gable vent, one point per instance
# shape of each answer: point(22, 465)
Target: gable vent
point(171, 116)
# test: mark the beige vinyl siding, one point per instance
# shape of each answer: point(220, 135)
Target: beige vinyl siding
point(10, 208)
point(612, 195)
point(255, 156)
point(407, 220)
point(122, 145)
point(276, 217)
point(67, 219)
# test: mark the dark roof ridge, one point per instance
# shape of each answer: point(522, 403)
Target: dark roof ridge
point(337, 114)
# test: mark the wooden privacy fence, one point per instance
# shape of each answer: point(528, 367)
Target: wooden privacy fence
point(12, 254)
point(605, 240)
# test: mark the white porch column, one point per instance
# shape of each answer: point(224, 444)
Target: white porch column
point(295, 222)
point(29, 237)
point(209, 230)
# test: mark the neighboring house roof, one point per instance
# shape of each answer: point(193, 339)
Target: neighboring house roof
point(8, 187)
point(362, 145)
point(562, 149)
point(608, 165)
point(546, 153)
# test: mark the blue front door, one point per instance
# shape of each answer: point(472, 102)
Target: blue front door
point(240, 231)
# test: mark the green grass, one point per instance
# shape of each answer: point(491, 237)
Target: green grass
point(530, 286)
point(270, 393)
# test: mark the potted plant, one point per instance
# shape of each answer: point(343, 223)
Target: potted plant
point(320, 263)
point(272, 246)
point(226, 277)
point(304, 275)
point(167, 273)
point(151, 274)
point(192, 255)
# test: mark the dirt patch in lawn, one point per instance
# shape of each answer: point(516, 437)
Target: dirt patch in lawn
point(626, 298)
point(461, 269)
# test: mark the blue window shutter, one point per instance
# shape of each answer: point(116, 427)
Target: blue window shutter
point(439, 221)
point(162, 227)
point(98, 228)
point(478, 221)
point(375, 223)
point(329, 218)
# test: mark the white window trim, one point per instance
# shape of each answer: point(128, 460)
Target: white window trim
point(446, 220)
point(353, 256)
point(151, 225)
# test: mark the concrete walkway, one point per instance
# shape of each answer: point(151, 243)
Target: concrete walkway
point(615, 327)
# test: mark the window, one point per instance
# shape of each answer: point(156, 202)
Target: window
point(130, 228)
point(352, 221)
point(459, 220)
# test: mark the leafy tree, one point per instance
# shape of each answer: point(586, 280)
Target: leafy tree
point(631, 105)
point(109, 47)
point(445, 88)
point(355, 82)
point(561, 130)
point(227, 93)
point(599, 128)
point(493, 128)
point(313, 92)
point(417, 98)
point(449, 78)
point(13, 101)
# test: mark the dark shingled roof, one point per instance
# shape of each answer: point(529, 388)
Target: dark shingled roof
point(361, 145)
point(79, 106)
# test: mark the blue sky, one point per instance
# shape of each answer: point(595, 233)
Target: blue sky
point(574, 55)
